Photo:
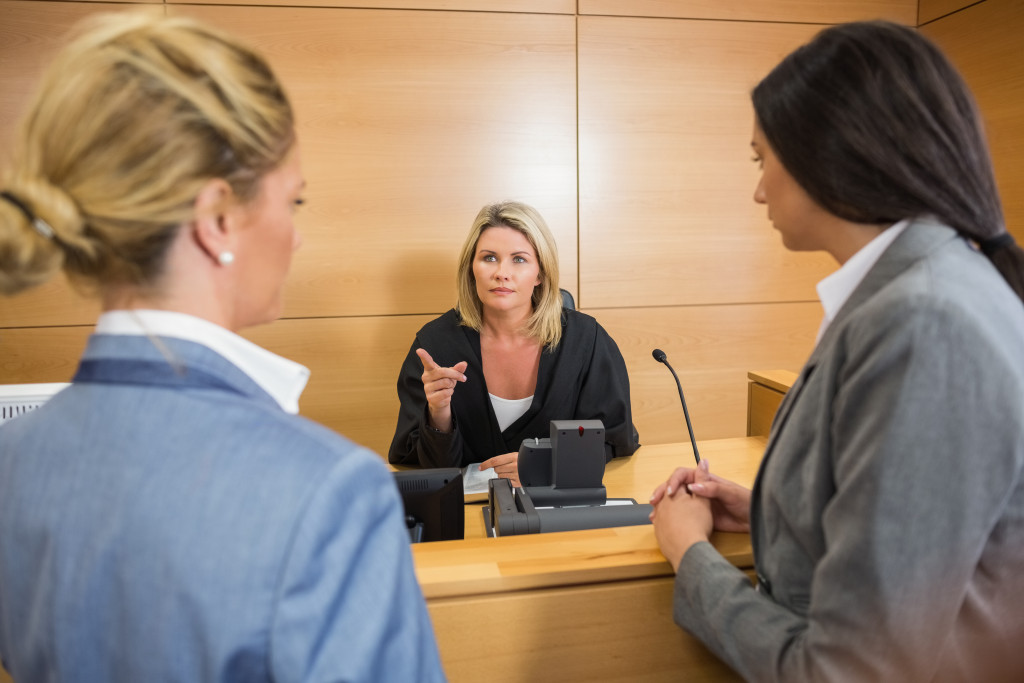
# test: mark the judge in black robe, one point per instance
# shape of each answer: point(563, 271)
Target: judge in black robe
point(582, 378)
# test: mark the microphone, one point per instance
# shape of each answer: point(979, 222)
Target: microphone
point(660, 356)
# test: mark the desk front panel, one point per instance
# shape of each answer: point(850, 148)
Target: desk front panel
point(593, 605)
point(614, 631)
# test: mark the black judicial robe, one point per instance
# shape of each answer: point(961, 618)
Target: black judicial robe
point(584, 378)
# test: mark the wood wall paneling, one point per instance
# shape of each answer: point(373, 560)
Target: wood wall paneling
point(355, 361)
point(984, 41)
point(409, 123)
point(665, 126)
point(411, 120)
point(795, 11)
point(711, 348)
point(30, 32)
point(41, 354)
point(354, 365)
point(929, 10)
point(531, 6)
point(52, 303)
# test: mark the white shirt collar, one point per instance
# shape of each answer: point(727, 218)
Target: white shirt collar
point(835, 289)
point(283, 379)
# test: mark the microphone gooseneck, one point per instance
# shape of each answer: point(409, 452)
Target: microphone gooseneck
point(660, 356)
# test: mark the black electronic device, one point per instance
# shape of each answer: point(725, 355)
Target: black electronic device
point(534, 464)
point(660, 356)
point(434, 504)
point(568, 467)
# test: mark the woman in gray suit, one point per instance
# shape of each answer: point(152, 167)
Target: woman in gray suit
point(169, 517)
point(887, 519)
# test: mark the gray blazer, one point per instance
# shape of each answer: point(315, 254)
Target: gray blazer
point(887, 519)
point(169, 522)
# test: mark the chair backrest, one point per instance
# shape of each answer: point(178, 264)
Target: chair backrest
point(567, 300)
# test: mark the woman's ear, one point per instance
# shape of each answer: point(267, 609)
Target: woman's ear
point(213, 226)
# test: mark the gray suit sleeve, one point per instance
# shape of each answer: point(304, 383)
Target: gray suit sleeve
point(918, 448)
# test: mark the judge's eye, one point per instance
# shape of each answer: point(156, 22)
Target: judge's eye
point(757, 159)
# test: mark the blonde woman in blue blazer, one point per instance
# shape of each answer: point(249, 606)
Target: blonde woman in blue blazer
point(169, 517)
point(887, 519)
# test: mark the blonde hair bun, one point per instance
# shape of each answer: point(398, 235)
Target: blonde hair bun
point(131, 119)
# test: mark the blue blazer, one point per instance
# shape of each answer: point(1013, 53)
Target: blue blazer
point(163, 519)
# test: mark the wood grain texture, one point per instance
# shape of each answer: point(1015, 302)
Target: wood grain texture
point(762, 404)
point(667, 215)
point(779, 380)
point(797, 11)
point(410, 122)
point(711, 348)
point(486, 565)
point(984, 41)
point(354, 365)
point(619, 631)
point(355, 361)
point(929, 10)
point(41, 354)
point(765, 392)
point(30, 33)
point(581, 605)
point(532, 6)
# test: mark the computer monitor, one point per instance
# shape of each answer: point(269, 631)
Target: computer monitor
point(18, 399)
point(434, 506)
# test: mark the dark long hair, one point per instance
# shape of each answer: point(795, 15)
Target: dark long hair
point(873, 121)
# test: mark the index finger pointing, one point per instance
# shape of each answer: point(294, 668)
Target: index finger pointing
point(428, 362)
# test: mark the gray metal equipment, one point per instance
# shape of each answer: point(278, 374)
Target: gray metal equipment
point(562, 486)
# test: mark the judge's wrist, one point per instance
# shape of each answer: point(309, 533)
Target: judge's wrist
point(440, 426)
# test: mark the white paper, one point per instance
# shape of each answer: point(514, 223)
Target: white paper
point(475, 481)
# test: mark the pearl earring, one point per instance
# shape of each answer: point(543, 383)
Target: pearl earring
point(226, 258)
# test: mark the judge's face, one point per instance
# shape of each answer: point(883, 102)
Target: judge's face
point(798, 218)
point(506, 270)
point(268, 239)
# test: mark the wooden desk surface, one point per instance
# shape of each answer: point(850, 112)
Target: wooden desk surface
point(489, 565)
point(592, 605)
point(779, 380)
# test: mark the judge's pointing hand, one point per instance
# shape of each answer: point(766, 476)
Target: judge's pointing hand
point(439, 385)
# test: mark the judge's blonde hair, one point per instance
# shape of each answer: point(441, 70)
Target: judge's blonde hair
point(545, 323)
